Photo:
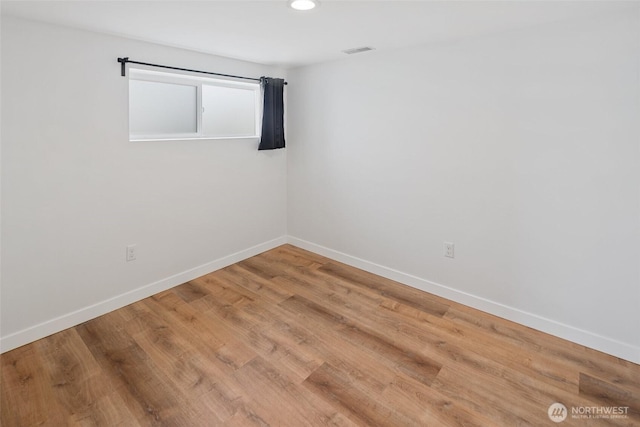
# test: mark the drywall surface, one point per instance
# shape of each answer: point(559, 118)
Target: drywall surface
point(76, 192)
point(521, 148)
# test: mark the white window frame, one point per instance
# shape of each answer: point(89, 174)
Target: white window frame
point(197, 82)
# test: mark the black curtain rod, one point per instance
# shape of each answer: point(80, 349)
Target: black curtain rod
point(123, 70)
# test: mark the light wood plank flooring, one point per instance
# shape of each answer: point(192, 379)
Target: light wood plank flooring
point(289, 338)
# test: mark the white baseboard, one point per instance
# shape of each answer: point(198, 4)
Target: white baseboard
point(77, 317)
point(589, 339)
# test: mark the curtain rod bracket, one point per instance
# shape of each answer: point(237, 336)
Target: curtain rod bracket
point(123, 62)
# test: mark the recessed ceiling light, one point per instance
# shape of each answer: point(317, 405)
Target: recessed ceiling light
point(303, 4)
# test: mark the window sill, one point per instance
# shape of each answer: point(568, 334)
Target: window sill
point(199, 138)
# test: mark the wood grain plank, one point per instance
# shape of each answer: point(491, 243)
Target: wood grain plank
point(260, 267)
point(286, 259)
point(432, 408)
point(148, 397)
point(411, 363)
point(246, 279)
point(219, 344)
point(87, 394)
point(27, 397)
point(608, 394)
point(385, 287)
point(335, 387)
point(311, 256)
point(280, 399)
point(189, 291)
point(445, 341)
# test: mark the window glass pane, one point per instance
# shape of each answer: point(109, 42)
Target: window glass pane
point(161, 108)
point(228, 111)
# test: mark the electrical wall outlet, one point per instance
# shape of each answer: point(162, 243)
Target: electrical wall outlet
point(448, 250)
point(131, 253)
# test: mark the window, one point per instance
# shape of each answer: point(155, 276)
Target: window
point(176, 106)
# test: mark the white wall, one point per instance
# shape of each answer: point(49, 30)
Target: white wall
point(522, 148)
point(75, 192)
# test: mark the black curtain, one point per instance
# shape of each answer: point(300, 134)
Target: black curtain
point(272, 114)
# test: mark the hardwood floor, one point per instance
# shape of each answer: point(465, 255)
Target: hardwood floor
point(289, 338)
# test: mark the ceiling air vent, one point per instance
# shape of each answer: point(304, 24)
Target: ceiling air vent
point(357, 50)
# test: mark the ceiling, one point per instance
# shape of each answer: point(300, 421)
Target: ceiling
point(269, 32)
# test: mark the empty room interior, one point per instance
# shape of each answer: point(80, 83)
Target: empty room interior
point(349, 213)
